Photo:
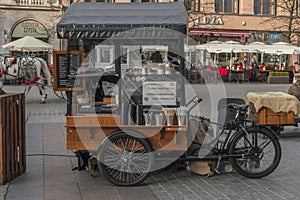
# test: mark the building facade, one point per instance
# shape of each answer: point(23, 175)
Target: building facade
point(37, 18)
point(245, 21)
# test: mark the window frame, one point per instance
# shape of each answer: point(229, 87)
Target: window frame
point(221, 6)
point(270, 6)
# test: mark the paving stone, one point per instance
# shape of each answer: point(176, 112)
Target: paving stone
point(191, 197)
point(165, 198)
point(162, 194)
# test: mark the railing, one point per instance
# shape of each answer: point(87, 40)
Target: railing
point(32, 2)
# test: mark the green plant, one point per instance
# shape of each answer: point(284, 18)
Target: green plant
point(278, 74)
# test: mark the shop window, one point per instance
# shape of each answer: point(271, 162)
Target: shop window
point(264, 7)
point(226, 6)
point(274, 37)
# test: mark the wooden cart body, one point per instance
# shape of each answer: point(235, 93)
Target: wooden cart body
point(88, 132)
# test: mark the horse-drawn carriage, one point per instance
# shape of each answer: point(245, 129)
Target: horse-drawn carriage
point(26, 70)
point(125, 132)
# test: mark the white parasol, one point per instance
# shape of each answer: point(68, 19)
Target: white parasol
point(278, 49)
point(230, 47)
point(28, 44)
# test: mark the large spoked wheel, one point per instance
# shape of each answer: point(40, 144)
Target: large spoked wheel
point(124, 159)
point(261, 153)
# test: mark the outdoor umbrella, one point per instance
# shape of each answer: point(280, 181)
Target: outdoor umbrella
point(275, 49)
point(28, 44)
point(257, 46)
point(227, 47)
point(220, 48)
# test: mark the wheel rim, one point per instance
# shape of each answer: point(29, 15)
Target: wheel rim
point(126, 159)
point(261, 153)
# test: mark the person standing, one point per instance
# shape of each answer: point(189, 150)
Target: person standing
point(255, 72)
point(297, 67)
point(253, 59)
point(295, 88)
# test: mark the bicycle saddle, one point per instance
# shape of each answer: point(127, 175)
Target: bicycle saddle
point(237, 106)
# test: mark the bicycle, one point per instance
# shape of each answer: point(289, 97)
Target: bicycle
point(254, 151)
point(247, 145)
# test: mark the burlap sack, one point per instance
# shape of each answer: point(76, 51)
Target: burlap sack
point(200, 129)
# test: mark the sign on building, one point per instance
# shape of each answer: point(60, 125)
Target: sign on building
point(29, 27)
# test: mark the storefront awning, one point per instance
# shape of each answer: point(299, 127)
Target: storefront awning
point(219, 33)
point(199, 32)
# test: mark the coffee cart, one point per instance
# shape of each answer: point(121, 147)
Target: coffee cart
point(141, 123)
point(89, 123)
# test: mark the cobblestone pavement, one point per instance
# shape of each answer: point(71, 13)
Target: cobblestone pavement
point(281, 184)
point(51, 177)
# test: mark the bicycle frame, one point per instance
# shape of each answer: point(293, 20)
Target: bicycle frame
point(220, 153)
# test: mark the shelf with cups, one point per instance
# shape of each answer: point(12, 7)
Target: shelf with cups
point(173, 119)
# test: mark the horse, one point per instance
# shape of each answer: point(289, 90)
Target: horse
point(26, 70)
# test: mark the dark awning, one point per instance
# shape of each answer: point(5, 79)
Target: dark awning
point(219, 33)
point(104, 20)
point(199, 32)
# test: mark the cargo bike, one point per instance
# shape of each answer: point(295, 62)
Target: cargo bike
point(117, 129)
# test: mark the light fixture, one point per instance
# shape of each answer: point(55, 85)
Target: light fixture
point(197, 19)
point(5, 35)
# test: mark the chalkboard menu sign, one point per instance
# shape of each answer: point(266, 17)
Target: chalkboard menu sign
point(65, 77)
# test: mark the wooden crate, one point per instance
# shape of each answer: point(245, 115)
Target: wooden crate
point(266, 116)
point(12, 136)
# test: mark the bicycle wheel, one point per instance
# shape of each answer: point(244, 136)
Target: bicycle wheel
point(125, 160)
point(260, 152)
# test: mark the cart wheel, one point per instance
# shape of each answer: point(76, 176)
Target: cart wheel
point(261, 150)
point(125, 160)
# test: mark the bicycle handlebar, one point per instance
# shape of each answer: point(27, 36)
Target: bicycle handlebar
point(196, 100)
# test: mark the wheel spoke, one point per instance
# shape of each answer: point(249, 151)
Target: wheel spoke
point(247, 140)
point(262, 153)
point(126, 144)
point(265, 143)
point(126, 159)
